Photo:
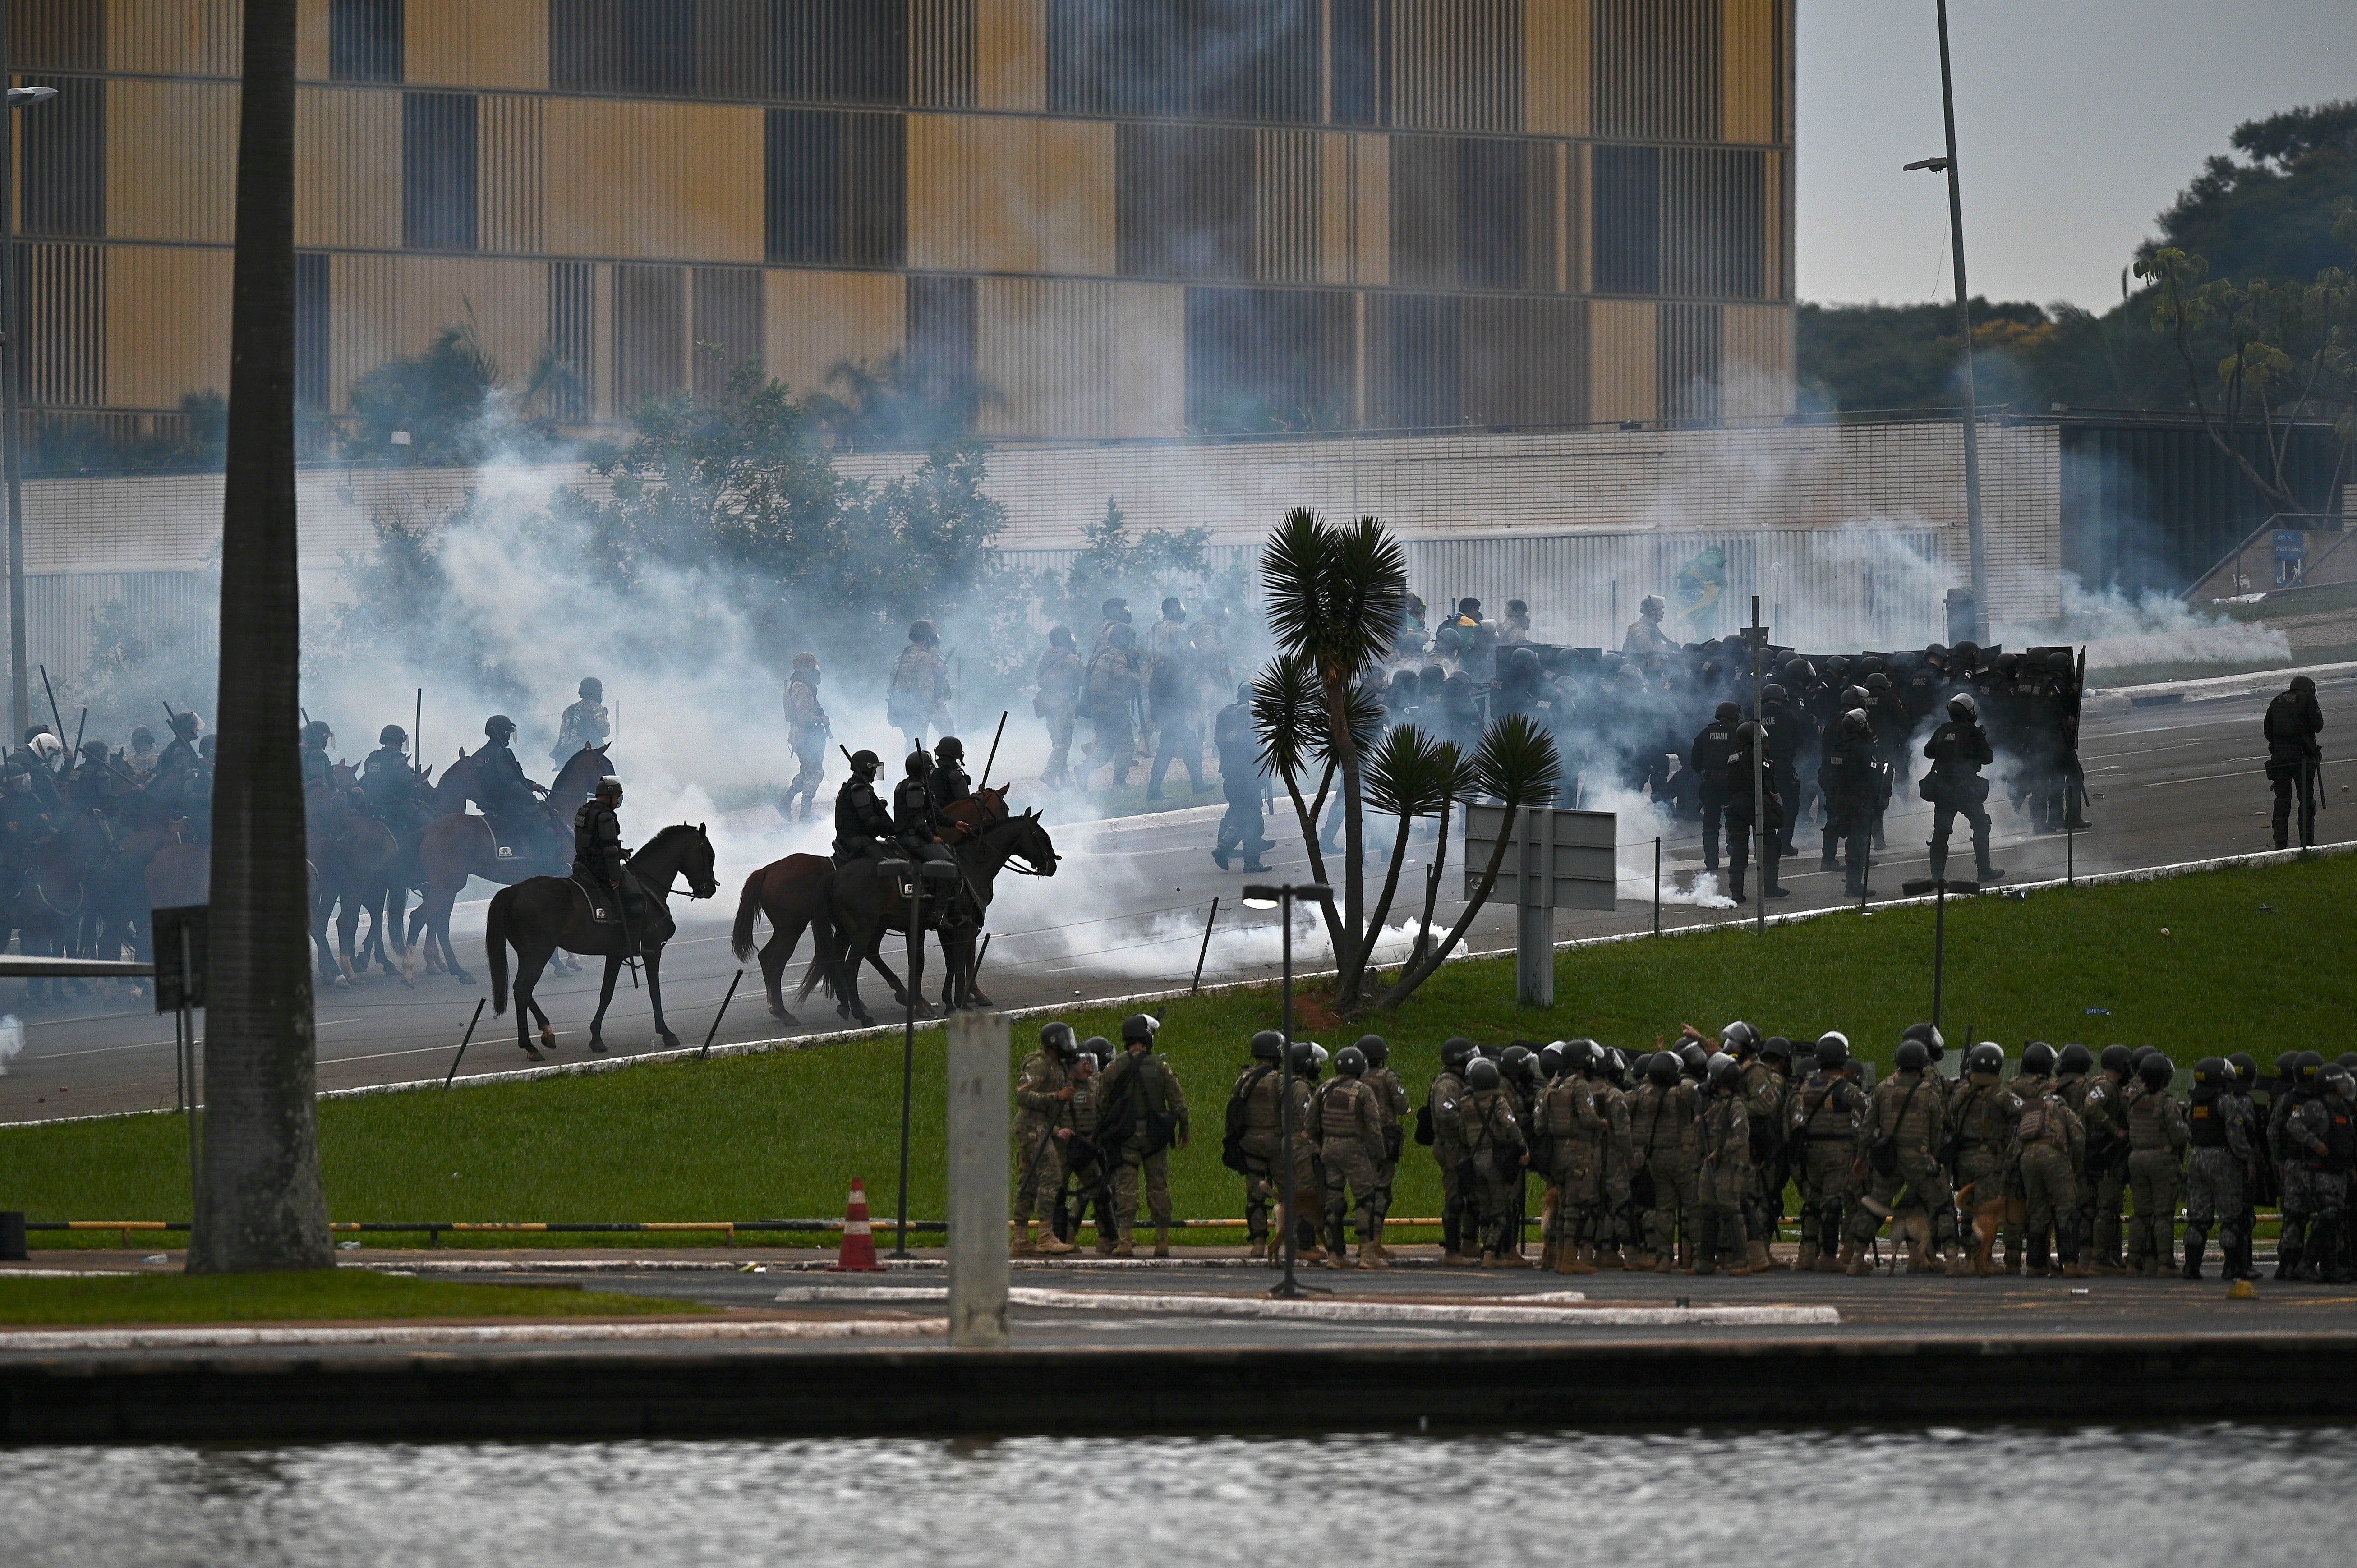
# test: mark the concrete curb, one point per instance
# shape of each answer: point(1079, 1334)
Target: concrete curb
point(1559, 1308)
point(459, 1334)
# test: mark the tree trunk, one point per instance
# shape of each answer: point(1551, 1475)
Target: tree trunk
point(260, 1204)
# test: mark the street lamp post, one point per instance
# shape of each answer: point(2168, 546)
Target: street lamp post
point(917, 872)
point(1965, 321)
point(20, 702)
point(1281, 896)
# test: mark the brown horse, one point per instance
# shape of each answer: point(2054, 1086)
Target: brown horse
point(792, 893)
point(546, 913)
point(460, 845)
point(349, 853)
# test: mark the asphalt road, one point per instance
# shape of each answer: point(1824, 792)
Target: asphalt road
point(1127, 912)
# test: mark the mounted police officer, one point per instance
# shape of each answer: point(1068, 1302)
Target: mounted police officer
point(2293, 722)
point(916, 824)
point(585, 723)
point(600, 857)
point(808, 729)
point(316, 766)
point(948, 782)
point(1959, 750)
point(180, 753)
point(506, 796)
point(386, 780)
point(861, 823)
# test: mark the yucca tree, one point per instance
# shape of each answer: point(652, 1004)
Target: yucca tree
point(1334, 594)
point(1409, 775)
point(1517, 763)
point(259, 1201)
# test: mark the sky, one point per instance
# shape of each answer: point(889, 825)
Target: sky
point(2077, 121)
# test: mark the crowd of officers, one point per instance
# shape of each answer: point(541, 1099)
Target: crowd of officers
point(44, 783)
point(2074, 1163)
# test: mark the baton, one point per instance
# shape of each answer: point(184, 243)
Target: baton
point(993, 751)
point(53, 701)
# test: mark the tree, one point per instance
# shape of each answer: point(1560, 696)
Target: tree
point(453, 401)
point(260, 1204)
point(2272, 215)
point(1142, 567)
point(2287, 352)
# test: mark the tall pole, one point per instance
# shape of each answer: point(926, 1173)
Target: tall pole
point(1964, 330)
point(909, 1051)
point(1759, 774)
point(1287, 1289)
point(20, 709)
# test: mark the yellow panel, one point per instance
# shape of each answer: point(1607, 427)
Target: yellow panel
point(973, 193)
point(476, 43)
point(669, 181)
point(347, 168)
point(1557, 35)
point(1748, 69)
point(818, 319)
point(1625, 370)
point(180, 38)
point(511, 180)
point(1076, 198)
point(1374, 199)
point(166, 324)
point(310, 39)
point(1010, 53)
point(1337, 188)
point(171, 160)
point(388, 307)
point(1757, 360)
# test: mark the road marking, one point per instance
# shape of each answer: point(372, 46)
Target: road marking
point(2246, 773)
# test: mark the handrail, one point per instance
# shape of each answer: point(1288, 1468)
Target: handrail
point(2236, 554)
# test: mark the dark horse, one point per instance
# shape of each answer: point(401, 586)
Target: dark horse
point(863, 903)
point(791, 893)
point(546, 913)
point(458, 845)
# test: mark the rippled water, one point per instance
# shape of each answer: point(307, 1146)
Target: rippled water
point(2208, 1494)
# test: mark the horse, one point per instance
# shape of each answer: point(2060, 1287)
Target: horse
point(545, 913)
point(862, 904)
point(349, 853)
point(48, 900)
point(459, 845)
point(792, 893)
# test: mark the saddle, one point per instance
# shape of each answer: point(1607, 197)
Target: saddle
point(603, 909)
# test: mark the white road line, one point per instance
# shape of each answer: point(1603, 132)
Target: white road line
point(2246, 773)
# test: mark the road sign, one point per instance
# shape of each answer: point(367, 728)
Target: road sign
point(2291, 544)
point(179, 985)
point(1561, 859)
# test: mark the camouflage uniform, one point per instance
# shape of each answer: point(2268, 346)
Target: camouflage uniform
point(1910, 1107)
point(2052, 1145)
point(1981, 1116)
point(2156, 1140)
point(1494, 1140)
point(1347, 1124)
point(1445, 1101)
point(2217, 1178)
point(1566, 1113)
point(1039, 1103)
point(1140, 1146)
point(1662, 1129)
point(1725, 1180)
point(2318, 1149)
point(2100, 1105)
point(1619, 1224)
point(1764, 1091)
point(1823, 1115)
point(1390, 1100)
point(1261, 1145)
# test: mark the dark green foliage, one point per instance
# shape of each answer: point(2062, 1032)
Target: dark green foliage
point(2270, 215)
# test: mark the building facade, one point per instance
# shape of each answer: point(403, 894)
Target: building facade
point(1085, 219)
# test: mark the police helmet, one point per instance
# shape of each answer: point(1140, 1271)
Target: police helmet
point(499, 727)
point(1723, 1069)
point(865, 762)
point(1114, 609)
point(1935, 650)
point(2337, 1079)
point(1662, 1069)
point(1351, 1061)
point(1318, 1053)
point(317, 732)
point(1455, 1051)
point(1615, 1063)
point(2037, 1059)
point(2211, 1073)
point(1914, 1056)
point(2076, 1058)
point(1693, 1058)
point(2347, 1059)
point(1776, 1048)
point(1139, 1026)
point(2247, 1069)
point(2118, 1059)
point(2157, 1070)
point(1551, 1059)
point(608, 785)
point(1773, 693)
point(948, 748)
point(1962, 706)
point(1799, 669)
point(2311, 1063)
point(919, 764)
point(1728, 712)
point(1267, 1046)
point(1857, 697)
point(1749, 730)
point(1098, 1046)
point(1988, 1057)
point(2060, 660)
point(1831, 1051)
point(1584, 1054)
point(2138, 1058)
point(2005, 664)
point(1966, 652)
point(1481, 1073)
point(391, 735)
point(1739, 1037)
point(1877, 682)
point(1517, 1056)
point(183, 724)
point(1059, 1037)
point(921, 631)
point(592, 688)
point(1375, 1049)
point(1059, 637)
point(2303, 683)
point(1928, 1035)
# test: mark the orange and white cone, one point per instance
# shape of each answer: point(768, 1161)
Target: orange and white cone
point(859, 1254)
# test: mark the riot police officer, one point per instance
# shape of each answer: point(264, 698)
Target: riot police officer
point(599, 859)
point(916, 824)
point(861, 823)
point(948, 782)
point(316, 764)
point(2292, 724)
point(1959, 750)
point(1707, 758)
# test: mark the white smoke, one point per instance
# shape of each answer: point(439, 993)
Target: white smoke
point(2122, 632)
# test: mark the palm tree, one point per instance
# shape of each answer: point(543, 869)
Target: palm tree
point(259, 1201)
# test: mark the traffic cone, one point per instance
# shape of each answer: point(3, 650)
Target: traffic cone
point(859, 1254)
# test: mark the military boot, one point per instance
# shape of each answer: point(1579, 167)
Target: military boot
point(1833, 1261)
point(1575, 1260)
point(2013, 1258)
point(1686, 1264)
point(1124, 1248)
point(1054, 1246)
point(1162, 1241)
point(1371, 1256)
point(1108, 1241)
point(1760, 1259)
point(2194, 1247)
point(1609, 1257)
point(1808, 1259)
point(1020, 1243)
point(1857, 1262)
point(1734, 886)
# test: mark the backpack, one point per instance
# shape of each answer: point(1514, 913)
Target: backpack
point(1883, 1154)
point(1232, 1145)
point(2031, 1128)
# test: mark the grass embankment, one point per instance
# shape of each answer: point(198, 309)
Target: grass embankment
point(310, 1297)
point(2241, 959)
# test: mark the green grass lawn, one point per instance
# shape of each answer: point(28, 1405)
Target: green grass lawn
point(2242, 960)
point(308, 1296)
